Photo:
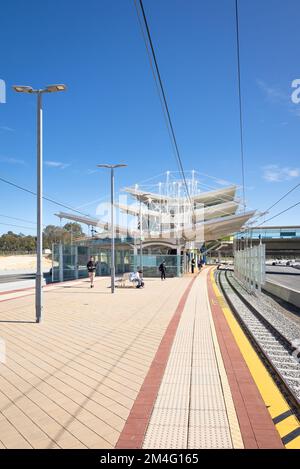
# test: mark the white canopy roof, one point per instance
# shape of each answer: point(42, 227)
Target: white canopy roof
point(210, 197)
point(211, 229)
point(226, 208)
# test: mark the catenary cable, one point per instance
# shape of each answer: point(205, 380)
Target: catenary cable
point(240, 101)
point(280, 213)
point(163, 96)
point(6, 181)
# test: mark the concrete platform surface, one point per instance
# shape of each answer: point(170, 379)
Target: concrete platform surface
point(156, 368)
point(71, 381)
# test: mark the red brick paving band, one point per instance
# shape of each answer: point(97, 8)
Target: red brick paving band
point(257, 428)
point(137, 422)
point(56, 284)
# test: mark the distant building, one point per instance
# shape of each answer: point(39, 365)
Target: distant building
point(282, 242)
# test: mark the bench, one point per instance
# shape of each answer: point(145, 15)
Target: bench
point(121, 281)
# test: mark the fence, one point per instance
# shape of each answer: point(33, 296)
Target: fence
point(249, 266)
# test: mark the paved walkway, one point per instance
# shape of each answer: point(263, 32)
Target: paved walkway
point(153, 368)
point(71, 381)
point(194, 408)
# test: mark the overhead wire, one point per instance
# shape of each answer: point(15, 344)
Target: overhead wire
point(150, 58)
point(260, 215)
point(280, 213)
point(240, 101)
point(241, 126)
point(18, 226)
point(161, 91)
point(6, 181)
point(17, 219)
point(283, 197)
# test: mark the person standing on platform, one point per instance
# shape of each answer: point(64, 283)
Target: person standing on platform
point(91, 267)
point(199, 264)
point(193, 263)
point(162, 268)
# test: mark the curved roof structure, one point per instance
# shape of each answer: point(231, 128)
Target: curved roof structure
point(170, 215)
point(213, 229)
point(215, 196)
point(211, 211)
point(207, 198)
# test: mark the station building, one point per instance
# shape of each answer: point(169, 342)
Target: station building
point(175, 221)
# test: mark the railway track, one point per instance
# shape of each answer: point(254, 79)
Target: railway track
point(276, 350)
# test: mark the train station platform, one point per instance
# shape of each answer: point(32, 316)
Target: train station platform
point(161, 367)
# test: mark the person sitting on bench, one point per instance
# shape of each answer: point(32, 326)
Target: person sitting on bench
point(138, 278)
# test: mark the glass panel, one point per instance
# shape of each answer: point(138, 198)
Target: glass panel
point(69, 262)
point(83, 257)
point(55, 263)
point(151, 263)
point(104, 263)
point(119, 262)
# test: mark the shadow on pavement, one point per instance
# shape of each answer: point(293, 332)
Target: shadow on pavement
point(18, 322)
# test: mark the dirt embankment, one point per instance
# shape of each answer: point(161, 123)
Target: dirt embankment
point(22, 262)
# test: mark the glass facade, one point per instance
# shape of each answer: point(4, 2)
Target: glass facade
point(174, 265)
point(69, 261)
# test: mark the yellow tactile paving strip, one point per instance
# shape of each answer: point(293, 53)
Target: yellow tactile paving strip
point(273, 398)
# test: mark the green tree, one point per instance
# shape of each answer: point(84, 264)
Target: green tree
point(12, 242)
point(52, 234)
point(73, 230)
point(74, 227)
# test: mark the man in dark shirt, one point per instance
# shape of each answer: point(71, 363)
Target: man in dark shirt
point(91, 267)
point(193, 263)
point(162, 269)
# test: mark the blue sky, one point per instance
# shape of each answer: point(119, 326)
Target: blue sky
point(111, 111)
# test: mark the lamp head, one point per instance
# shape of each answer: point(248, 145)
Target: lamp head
point(55, 88)
point(111, 165)
point(23, 89)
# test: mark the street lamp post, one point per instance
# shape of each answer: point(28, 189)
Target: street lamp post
point(141, 234)
point(112, 191)
point(39, 242)
point(141, 230)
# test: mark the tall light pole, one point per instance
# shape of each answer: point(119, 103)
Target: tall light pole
point(141, 230)
point(39, 242)
point(141, 234)
point(112, 201)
